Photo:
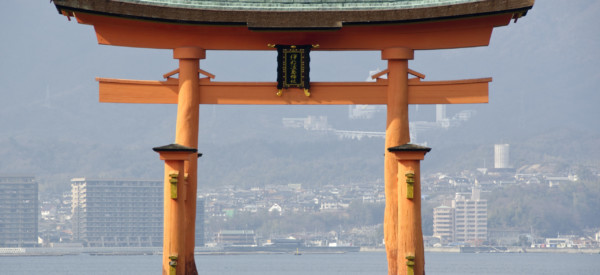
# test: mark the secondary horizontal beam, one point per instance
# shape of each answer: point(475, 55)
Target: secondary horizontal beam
point(322, 93)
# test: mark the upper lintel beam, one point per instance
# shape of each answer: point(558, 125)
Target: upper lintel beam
point(467, 32)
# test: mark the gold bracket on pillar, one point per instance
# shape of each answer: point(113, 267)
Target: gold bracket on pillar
point(173, 264)
point(410, 185)
point(173, 179)
point(410, 265)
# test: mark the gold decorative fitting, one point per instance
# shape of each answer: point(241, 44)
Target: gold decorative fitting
point(410, 265)
point(410, 185)
point(174, 179)
point(173, 264)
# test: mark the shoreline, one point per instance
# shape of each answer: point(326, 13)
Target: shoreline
point(513, 249)
point(510, 249)
point(203, 251)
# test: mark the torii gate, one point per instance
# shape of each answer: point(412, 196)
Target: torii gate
point(397, 92)
point(398, 32)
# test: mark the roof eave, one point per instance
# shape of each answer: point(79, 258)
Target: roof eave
point(302, 20)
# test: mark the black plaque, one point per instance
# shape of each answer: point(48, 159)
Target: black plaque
point(293, 66)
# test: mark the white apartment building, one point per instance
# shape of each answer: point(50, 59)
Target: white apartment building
point(443, 223)
point(501, 156)
point(465, 221)
point(470, 218)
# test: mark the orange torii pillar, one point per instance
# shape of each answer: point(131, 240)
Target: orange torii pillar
point(176, 188)
point(397, 132)
point(186, 134)
point(411, 254)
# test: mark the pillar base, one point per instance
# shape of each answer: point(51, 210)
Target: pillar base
point(175, 260)
point(410, 253)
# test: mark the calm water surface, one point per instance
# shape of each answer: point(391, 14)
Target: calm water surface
point(314, 264)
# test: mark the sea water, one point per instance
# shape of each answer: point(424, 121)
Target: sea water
point(366, 263)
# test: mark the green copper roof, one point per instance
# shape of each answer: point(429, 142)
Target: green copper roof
point(307, 14)
point(300, 5)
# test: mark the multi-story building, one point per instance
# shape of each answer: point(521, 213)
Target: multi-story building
point(465, 221)
point(18, 211)
point(501, 156)
point(443, 224)
point(199, 222)
point(236, 237)
point(117, 213)
point(470, 218)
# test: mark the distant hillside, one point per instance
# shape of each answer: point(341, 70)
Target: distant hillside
point(285, 156)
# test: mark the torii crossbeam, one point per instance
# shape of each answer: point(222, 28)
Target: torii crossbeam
point(323, 93)
point(396, 28)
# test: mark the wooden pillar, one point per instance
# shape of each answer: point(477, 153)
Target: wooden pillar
point(176, 157)
point(186, 134)
point(396, 133)
point(411, 254)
